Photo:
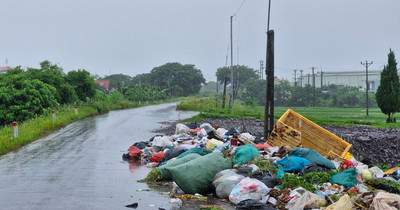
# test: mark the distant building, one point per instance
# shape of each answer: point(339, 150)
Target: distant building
point(103, 84)
point(343, 78)
point(4, 70)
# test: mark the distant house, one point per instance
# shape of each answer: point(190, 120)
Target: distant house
point(103, 84)
point(4, 70)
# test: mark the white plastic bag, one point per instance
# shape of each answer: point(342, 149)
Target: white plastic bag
point(225, 181)
point(181, 129)
point(221, 132)
point(246, 137)
point(307, 200)
point(248, 189)
point(161, 141)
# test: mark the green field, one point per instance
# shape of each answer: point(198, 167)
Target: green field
point(319, 115)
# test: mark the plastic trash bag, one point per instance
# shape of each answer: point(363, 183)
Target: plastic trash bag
point(181, 129)
point(252, 204)
point(157, 157)
point(307, 200)
point(347, 178)
point(246, 137)
point(291, 164)
point(266, 178)
point(343, 203)
point(248, 188)
point(225, 181)
point(172, 153)
point(193, 125)
point(213, 143)
point(221, 132)
point(161, 141)
point(312, 156)
point(314, 167)
point(134, 153)
point(245, 153)
point(232, 132)
point(140, 145)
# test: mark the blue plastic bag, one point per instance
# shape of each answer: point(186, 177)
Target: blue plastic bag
point(292, 164)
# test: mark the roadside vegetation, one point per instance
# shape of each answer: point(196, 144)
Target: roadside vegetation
point(320, 115)
point(28, 97)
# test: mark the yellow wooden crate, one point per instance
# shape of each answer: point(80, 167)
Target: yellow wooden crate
point(297, 131)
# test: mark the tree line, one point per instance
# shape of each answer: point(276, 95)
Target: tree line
point(25, 94)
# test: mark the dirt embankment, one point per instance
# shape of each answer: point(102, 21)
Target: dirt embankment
point(370, 145)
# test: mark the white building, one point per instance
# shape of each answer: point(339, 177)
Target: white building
point(343, 78)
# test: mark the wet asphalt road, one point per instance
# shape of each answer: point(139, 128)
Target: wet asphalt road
point(80, 166)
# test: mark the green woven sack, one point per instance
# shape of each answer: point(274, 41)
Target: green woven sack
point(199, 151)
point(196, 176)
point(163, 169)
point(245, 153)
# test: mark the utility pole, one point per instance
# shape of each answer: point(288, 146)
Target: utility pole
point(308, 89)
point(269, 100)
point(313, 81)
point(301, 78)
point(261, 69)
point(216, 95)
point(295, 77)
point(321, 80)
point(232, 62)
point(366, 64)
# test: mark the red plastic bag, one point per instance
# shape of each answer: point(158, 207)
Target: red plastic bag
point(134, 152)
point(157, 157)
point(347, 165)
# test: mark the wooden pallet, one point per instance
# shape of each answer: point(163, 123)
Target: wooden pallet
point(297, 131)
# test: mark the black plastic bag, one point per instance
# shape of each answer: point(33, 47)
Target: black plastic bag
point(387, 188)
point(314, 167)
point(244, 171)
point(232, 131)
point(193, 125)
point(252, 204)
point(266, 178)
point(168, 155)
point(140, 145)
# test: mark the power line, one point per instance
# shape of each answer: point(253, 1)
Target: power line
point(239, 8)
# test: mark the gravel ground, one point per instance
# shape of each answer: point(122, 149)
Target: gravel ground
point(369, 145)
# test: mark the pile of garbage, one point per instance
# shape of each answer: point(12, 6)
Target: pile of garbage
point(206, 160)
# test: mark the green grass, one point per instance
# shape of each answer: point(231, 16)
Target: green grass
point(319, 115)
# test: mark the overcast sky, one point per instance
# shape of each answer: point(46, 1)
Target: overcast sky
point(132, 37)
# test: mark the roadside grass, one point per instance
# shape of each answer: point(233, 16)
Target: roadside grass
point(319, 115)
point(43, 125)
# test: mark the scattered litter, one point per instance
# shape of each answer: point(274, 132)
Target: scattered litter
point(133, 205)
point(300, 166)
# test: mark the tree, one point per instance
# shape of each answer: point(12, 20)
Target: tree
point(253, 92)
point(118, 80)
point(83, 83)
point(22, 98)
point(240, 75)
point(388, 93)
point(177, 79)
point(54, 76)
